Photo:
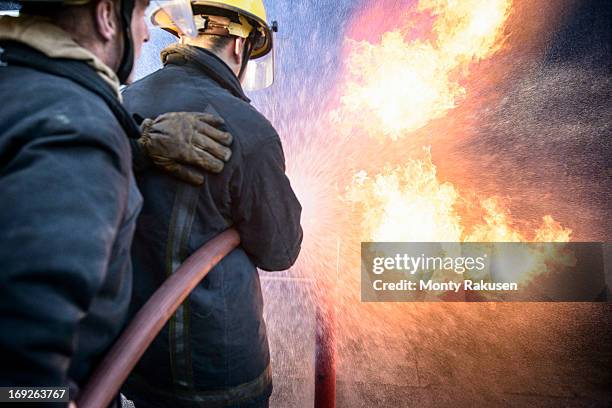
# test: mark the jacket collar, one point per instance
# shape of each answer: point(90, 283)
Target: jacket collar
point(78, 71)
point(45, 37)
point(207, 62)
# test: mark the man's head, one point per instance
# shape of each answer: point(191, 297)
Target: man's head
point(237, 31)
point(101, 26)
point(230, 48)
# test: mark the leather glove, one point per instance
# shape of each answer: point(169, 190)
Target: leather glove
point(186, 144)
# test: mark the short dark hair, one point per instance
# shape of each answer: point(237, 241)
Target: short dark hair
point(72, 18)
point(218, 42)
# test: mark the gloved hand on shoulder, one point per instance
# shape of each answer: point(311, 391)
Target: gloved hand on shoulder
point(186, 144)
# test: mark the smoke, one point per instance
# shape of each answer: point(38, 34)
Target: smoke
point(547, 146)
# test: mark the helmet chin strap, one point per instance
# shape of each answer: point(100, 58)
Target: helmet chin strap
point(246, 54)
point(127, 60)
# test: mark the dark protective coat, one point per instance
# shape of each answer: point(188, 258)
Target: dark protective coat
point(215, 349)
point(68, 209)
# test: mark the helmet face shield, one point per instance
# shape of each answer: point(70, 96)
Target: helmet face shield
point(259, 73)
point(174, 13)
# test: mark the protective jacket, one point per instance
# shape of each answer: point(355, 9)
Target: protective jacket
point(68, 210)
point(214, 352)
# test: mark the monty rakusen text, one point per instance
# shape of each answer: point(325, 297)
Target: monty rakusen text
point(425, 265)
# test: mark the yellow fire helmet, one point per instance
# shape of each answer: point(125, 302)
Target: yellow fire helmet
point(241, 18)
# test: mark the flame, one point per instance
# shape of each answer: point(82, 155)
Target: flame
point(407, 83)
point(358, 182)
point(406, 204)
point(411, 204)
point(391, 87)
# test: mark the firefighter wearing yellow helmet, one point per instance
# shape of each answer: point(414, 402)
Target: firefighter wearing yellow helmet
point(214, 352)
point(243, 18)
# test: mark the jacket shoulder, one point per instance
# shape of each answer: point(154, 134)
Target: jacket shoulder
point(253, 129)
point(182, 89)
point(49, 105)
point(139, 96)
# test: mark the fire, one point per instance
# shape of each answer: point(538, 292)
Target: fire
point(407, 83)
point(406, 204)
point(357, 174)
point(497, 227)
point(411, 204)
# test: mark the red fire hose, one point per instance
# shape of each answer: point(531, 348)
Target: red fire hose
point(104, 384)
point(114, 369)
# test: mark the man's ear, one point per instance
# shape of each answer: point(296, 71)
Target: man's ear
point(106, 19)
point(238, 50)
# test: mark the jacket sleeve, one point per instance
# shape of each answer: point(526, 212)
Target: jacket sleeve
point(63, 193)
point(140, 160)
point(267, 212)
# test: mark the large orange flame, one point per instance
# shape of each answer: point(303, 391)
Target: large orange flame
point(405, 84)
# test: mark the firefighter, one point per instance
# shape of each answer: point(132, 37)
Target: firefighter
point(214, 351)
point(69, 200)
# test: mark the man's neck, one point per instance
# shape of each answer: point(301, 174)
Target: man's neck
point(202, 43)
